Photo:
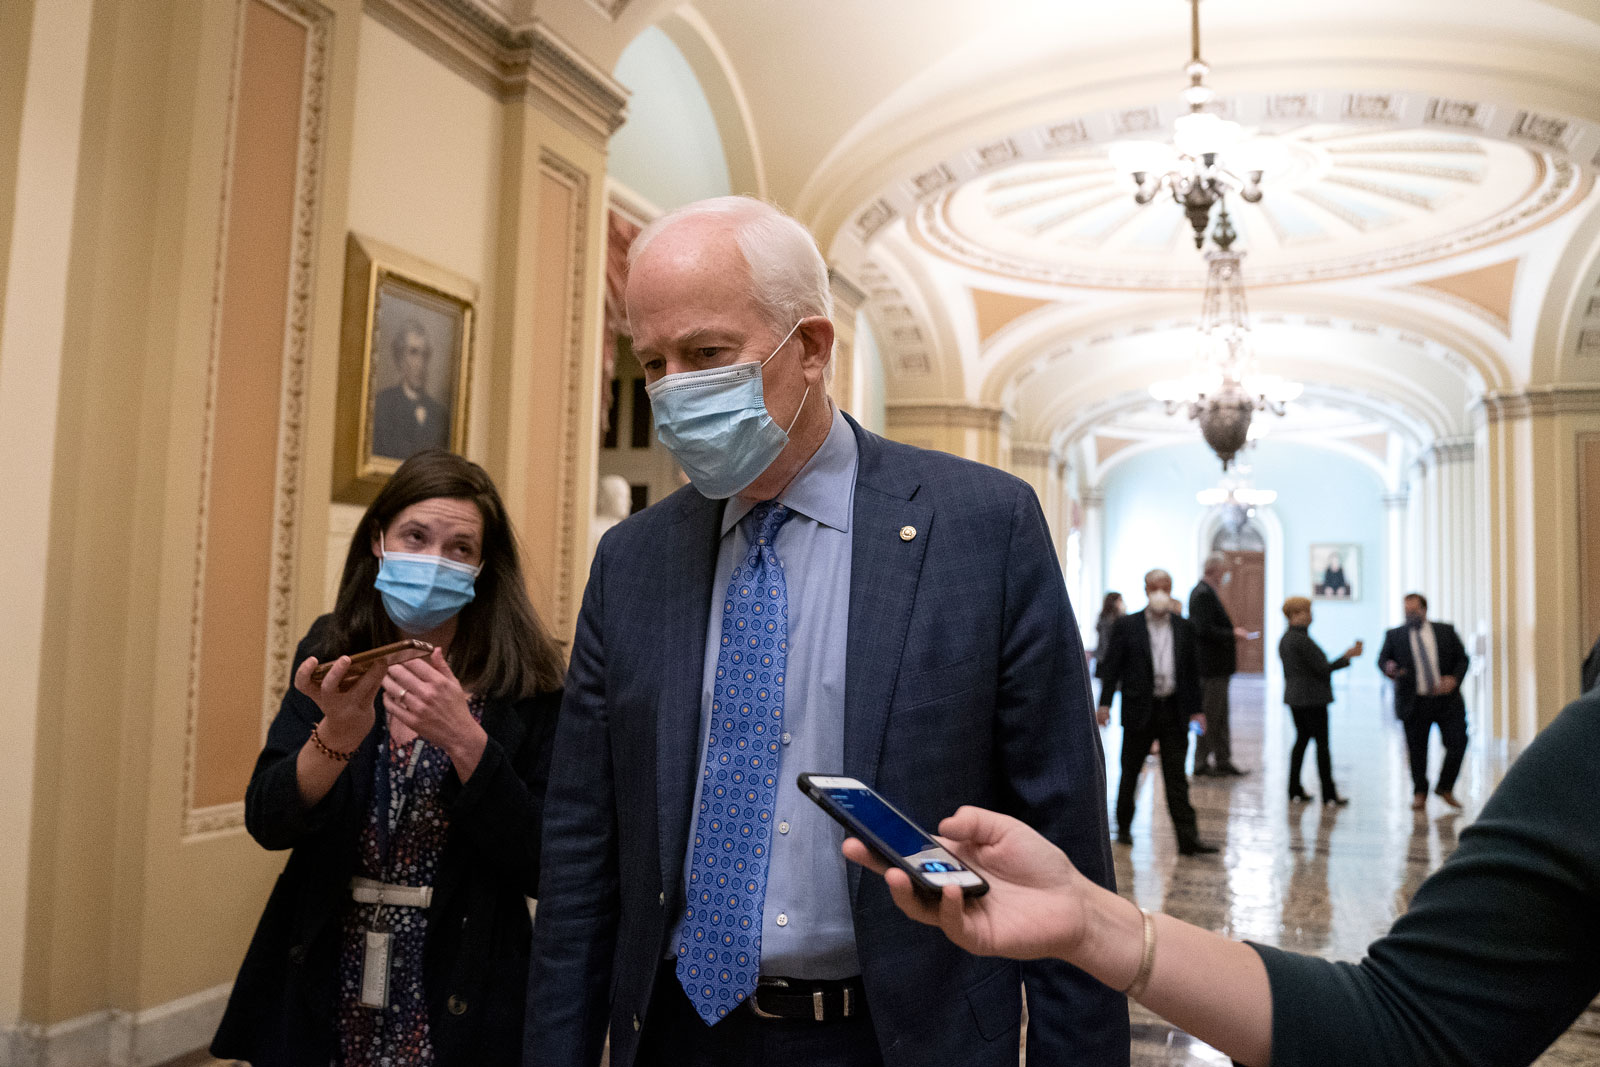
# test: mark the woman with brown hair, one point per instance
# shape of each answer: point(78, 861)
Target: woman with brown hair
point(412, 798)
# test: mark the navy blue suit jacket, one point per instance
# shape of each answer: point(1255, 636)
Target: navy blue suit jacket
point(1453, 660)
point(965, 684)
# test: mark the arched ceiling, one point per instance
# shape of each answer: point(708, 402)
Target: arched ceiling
point(950, 155)
point(1345, 200)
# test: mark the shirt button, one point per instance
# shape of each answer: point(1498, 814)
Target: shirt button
point(786, 737)
point(783, 827)
point(456, 1005)
point(662, 900)
point(782, 919)
point(636, 1023)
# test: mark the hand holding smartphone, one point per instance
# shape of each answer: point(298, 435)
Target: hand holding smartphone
point(895, 838)
point(362, 662)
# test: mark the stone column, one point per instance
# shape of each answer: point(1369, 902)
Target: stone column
point(973, 430)
point(1397, 575)
point(1533, 448)
point(1456, 542)
point(558, 111)
point(1093, 582)
point(847, 300)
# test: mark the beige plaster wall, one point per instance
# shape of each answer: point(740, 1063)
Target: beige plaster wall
point(44, 54)
point(424, 177)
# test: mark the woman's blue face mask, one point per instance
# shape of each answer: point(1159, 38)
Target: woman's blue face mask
point(421, 592)
point(715, 424)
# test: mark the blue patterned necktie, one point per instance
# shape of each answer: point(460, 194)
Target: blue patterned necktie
point(719, 954)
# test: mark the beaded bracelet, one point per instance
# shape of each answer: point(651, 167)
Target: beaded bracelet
point(1147, 961)
point(316, 739)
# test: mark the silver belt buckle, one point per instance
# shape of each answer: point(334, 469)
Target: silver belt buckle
point(755, 998)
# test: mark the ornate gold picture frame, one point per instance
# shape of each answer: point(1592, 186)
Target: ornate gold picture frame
point(405, 364)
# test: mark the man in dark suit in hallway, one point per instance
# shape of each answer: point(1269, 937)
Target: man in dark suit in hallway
point(813, 601)
point(1214, 634)
point(1152, 659)
point(1427, 662)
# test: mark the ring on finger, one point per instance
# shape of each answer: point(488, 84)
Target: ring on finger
point(403, 696)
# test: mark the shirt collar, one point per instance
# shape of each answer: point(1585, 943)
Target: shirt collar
point(824, 489)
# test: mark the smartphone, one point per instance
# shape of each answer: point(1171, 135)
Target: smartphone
point(361, 662)
point(897, 839)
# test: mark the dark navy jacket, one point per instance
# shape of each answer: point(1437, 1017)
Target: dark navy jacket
point(283, 1005)
point(965, 684)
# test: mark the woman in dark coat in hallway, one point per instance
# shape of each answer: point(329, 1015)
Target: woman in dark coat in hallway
point(1308, 690)
point(412, 798)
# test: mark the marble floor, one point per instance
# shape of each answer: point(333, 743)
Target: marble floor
point(1324, 881)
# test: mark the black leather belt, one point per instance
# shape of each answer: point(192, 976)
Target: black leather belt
point(813, 1001)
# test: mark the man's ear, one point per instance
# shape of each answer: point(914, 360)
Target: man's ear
point(816, 335)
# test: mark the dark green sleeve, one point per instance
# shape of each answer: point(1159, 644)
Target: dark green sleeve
point(1500, 949)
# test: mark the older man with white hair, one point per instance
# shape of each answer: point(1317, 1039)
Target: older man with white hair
point(818, 600)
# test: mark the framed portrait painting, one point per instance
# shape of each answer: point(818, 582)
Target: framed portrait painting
point(1336, 572)
point(405, 364)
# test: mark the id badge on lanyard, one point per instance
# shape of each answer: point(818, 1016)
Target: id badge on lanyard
point(379, 939)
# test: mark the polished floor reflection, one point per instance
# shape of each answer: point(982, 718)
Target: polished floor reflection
point(1321, 880)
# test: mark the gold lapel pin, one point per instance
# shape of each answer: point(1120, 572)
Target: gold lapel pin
point(907, 532)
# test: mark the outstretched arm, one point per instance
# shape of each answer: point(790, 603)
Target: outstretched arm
point(1493, 960)
point(1040, 906)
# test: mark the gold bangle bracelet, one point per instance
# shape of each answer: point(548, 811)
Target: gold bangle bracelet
point(341, 757)
point(1147, 961)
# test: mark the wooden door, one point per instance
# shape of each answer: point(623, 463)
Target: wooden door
point(1244, 594)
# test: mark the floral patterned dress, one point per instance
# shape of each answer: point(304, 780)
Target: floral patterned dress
point(415, 825)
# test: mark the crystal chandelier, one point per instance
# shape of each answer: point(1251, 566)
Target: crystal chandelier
point(1225, 393)
point(1208, 157)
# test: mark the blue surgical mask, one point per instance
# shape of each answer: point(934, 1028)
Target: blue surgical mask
point(421, 592)
point(715, 424)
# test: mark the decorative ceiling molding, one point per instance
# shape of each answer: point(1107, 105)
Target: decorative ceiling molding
point(1557, 186)
point(1362, 328)
point(904, 341)
point(1588, 332)
point(914, 414)
point(512, 62)
point(995, 311)
point(1548, 400)
point(1485, 292)
point(1560, 143)
point(847, 295)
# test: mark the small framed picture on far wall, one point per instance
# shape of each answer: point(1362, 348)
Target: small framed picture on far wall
point(1336, 572)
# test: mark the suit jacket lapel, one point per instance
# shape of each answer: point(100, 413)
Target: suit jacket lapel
point(885, 566)
point(686, 557)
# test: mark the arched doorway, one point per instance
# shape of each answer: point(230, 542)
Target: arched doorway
point(1244, 585)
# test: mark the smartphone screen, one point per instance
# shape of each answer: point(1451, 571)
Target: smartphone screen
point(868, 816)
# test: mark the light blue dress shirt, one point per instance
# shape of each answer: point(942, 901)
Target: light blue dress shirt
point(806, 930)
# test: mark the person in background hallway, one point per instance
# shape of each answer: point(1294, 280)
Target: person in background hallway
point(405, 417)
point(1491, 963)
point(1308, 691)
point(1427, 662)
point(812, 602)
point(398, 932)
point(1152, 659)
point(1215, 636)
point(1111, 609)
